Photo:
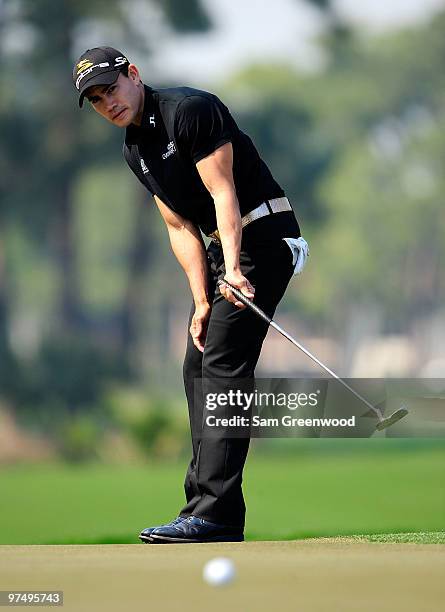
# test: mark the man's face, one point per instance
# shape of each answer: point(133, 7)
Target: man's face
point(122, 101)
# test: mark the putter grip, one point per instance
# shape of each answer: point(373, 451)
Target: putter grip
point(242, 298)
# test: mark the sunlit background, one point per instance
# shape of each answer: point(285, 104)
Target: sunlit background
point(345, 101)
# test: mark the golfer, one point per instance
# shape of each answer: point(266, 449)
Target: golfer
point(206, 177)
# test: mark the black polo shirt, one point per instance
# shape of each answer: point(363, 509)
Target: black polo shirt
point(180, 126)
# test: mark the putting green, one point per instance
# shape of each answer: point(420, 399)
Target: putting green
point(311, 575)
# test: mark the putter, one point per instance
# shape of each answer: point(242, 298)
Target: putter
point(383, 422)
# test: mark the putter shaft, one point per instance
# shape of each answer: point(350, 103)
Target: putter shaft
point(325, 367)
point(383, 422)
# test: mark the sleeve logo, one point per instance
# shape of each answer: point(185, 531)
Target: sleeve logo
point(170, 150)
point(145, 170)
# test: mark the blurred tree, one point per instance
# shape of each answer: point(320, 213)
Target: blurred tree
point(48, 144)
point(52, 143)
point(384, 237)
point(357, 149)
point(298, 162)
point(338, 35)
point(9, 370)
point(185, 16)
point(8, 364)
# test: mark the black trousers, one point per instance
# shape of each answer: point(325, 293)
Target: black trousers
point(232, 348)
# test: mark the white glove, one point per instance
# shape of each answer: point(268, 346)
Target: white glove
point(300, 253)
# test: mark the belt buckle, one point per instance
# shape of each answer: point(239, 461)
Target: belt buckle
point(215, 237)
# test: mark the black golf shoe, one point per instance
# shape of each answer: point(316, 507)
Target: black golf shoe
point(145, 535)
point(195, 530)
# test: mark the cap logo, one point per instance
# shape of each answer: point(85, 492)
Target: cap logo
point(83, 65)
point(87, 71)
point(120, 61)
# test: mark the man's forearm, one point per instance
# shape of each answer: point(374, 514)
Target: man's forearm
point(189, 249)
point(216, 172)
point(229, 226)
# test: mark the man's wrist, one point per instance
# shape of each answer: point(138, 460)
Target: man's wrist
point(235, 270)
point(202, 303)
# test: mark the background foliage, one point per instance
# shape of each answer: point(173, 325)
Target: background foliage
point(92, 305)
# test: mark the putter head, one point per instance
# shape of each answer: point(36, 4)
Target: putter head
point(393, 418)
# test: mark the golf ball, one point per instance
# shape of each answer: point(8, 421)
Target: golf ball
point(219, 571)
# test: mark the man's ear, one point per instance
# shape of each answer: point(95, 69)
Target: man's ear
point(133, 73)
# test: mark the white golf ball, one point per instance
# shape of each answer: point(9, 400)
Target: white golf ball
point(219, 571)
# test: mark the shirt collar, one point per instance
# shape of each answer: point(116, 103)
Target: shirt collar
point(149, 121)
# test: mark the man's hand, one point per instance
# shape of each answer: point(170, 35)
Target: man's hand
point(198, 327)
point(240, 282)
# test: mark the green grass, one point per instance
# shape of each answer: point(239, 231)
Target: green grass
point(383, 494)
point(433, 537)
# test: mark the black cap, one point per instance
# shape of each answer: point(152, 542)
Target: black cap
point(98, 66)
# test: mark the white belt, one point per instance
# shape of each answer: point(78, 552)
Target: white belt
point(276, 205)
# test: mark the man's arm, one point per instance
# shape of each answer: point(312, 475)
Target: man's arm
point(188, 247)
point(216, 173)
